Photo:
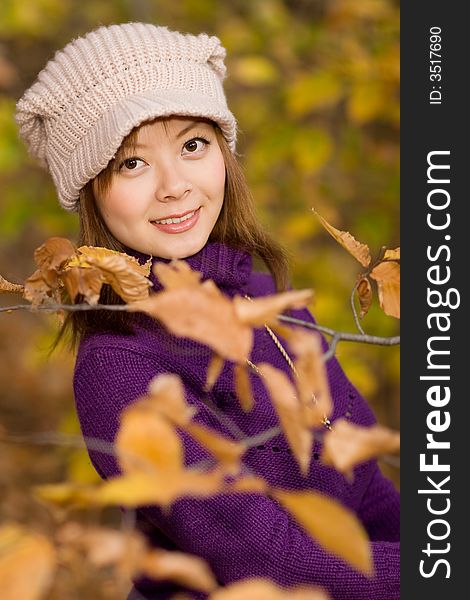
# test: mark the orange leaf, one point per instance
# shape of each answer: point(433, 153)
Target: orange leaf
point(264, 310)
point(387, 275)
point(248, 483)
point(213, 371)
point(344, 238)
point(226, 451)
point(176, 274)
point(348, 445)
point(289, 411)
point(364, 291)
point(243, 387)
point(27, 563)
point(189, 571)
point(312, 379)
point(36, 289)
point(203, 314)
point(146, 441)
point(256, 588)
point(87, 282)
point(392, 254)
point(51, 255)
point(335, 527)
point(166, 395)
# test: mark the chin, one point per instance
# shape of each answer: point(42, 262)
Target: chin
point(182, 250)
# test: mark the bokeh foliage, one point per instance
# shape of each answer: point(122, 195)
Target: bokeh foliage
point(315, 87)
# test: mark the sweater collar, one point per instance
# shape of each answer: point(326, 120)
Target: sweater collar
point(229, 267)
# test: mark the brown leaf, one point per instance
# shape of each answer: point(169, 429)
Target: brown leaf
point(257, 312)
point(243, 387)
point(289, 410)
point(226, 451)
point(7, 286)
point(98, 253)
point(166, 395)
point(146, 441)
point(332, 525)
point(87, 282)
point(27, 563)
point(364, 291)
point(189, 571)
point(213, 371)
point(312, 379)
point(203, 314)
point(360, 251)
point(36, 290)
point(387, 275)
point(53, 254)
point(177, 274)
point(348, 445)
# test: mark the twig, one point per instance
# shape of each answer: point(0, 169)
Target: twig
point(353, 308)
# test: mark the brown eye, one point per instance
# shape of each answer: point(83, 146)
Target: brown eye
point(195, 145)
point(130, 163)
point(191, 146)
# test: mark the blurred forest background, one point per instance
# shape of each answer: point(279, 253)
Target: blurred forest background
point(315, 87)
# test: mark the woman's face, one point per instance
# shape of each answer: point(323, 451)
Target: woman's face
point(165, 196)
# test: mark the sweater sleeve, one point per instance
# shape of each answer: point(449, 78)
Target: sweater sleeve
point(239, 535)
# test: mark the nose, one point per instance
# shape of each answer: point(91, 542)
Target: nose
point(172, 182)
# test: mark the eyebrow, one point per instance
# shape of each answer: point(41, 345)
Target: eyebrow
point(178, 135)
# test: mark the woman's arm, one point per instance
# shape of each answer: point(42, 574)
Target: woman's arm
point(240, 535)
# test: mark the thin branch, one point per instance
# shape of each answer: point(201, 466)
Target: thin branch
point(353, 308)
point(332, 348)
point(346, 337)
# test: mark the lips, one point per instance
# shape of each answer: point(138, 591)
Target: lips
point(177, 223)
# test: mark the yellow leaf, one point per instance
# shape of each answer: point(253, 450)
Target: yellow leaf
point(189, 571)
point(313, 92)
point(364, 291)
point(312, 148)
point(392, 254)
point(27, 563)
point(248, 483)
point(387, 275)
point(344, 238)
point(366, 101)
point(290, 414)
point(348, 445)
point(146, 441)
point(333, 526)
point(226, 451)
point(254, 70)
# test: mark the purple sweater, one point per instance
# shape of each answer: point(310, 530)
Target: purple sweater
point(240, 535)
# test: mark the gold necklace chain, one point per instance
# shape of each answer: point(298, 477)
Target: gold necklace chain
point(326, 422)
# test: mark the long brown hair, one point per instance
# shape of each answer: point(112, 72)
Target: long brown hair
point(237, 226)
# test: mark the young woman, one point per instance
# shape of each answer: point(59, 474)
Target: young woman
point(132, 123)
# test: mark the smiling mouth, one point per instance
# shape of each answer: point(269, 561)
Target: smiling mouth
point(175, 219)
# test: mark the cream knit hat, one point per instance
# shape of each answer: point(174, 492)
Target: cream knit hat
point(100, 86)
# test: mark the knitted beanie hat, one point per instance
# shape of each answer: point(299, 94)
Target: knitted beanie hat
point(100, 86)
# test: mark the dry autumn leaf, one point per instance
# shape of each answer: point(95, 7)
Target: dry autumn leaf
point(146, 441)
point(364, 291)
point(387, 275)
point(213, 371)
point(360, 251)
point(312, 380)
point(203, 314)
point(224, 450)
point(335, 527)
point(166, 395)
point(23, 552)
point(87, 282)
point(248, 484)
point(257, 588)
point(392, 254)
point(243, 387)
point(7, 286)
point(54, 253)
point(348, 445)
point(37, 290)
point(176, 274)
point(257, 312)
point(289, 410)
point(189, 571)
